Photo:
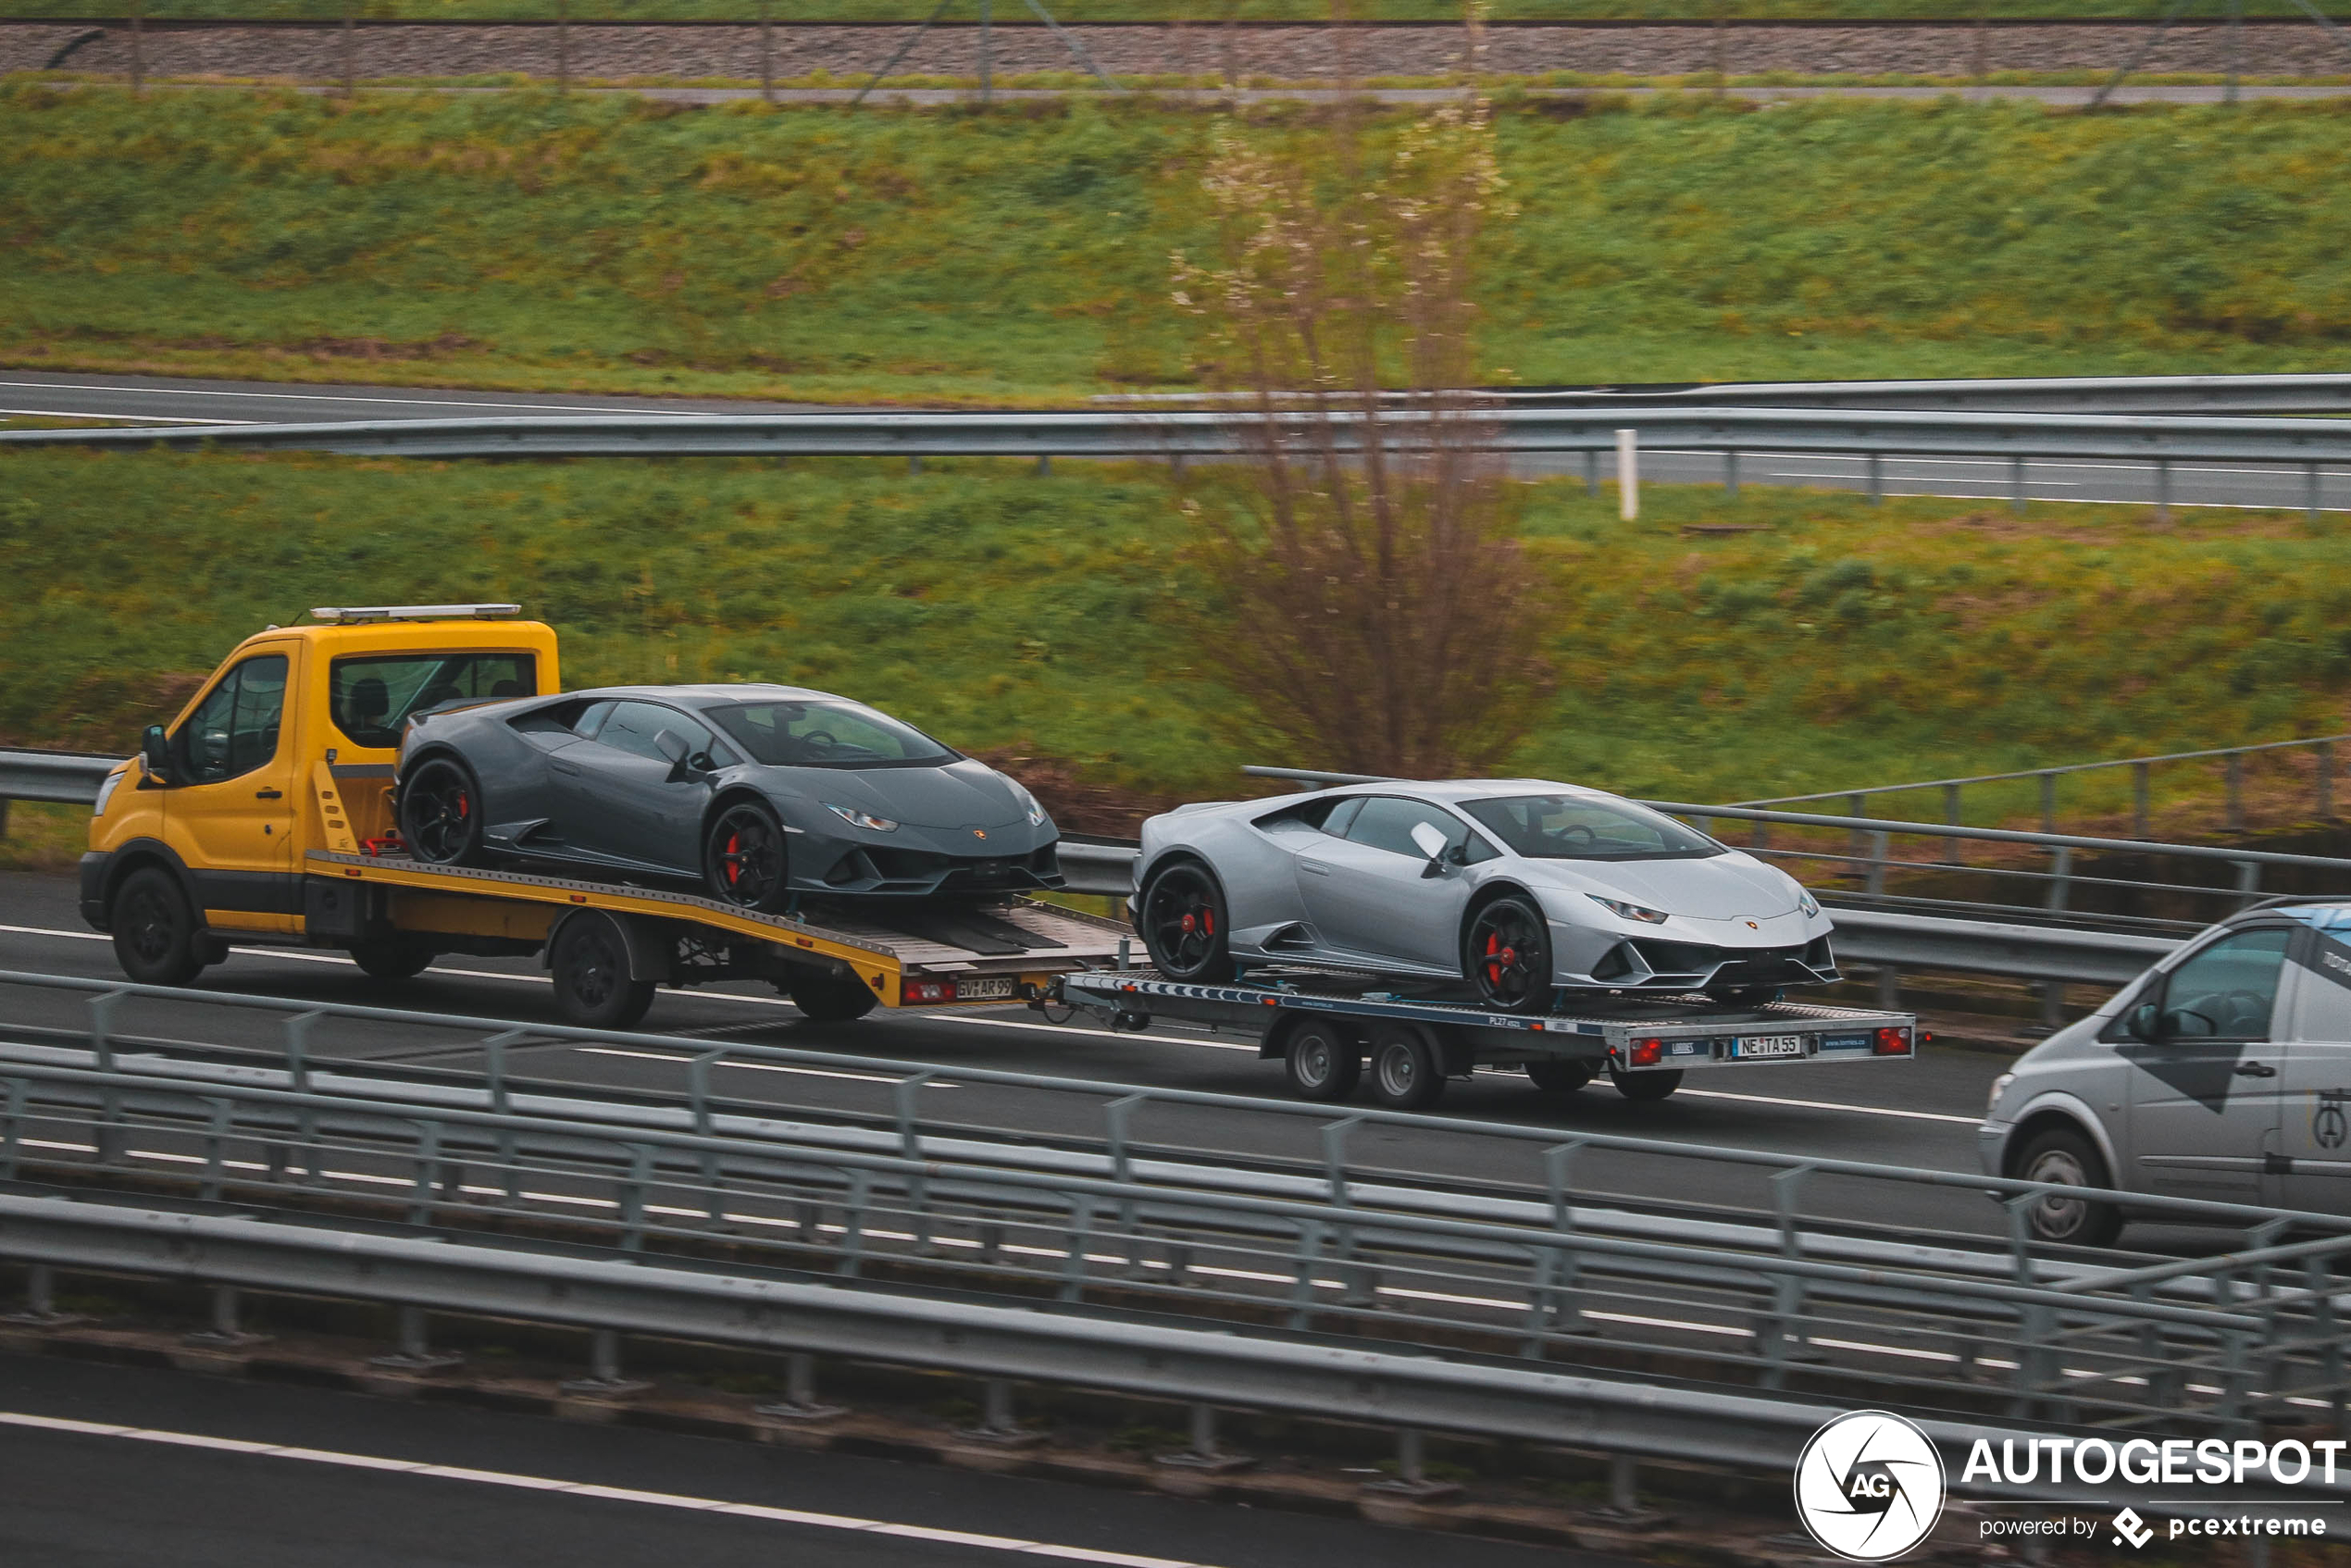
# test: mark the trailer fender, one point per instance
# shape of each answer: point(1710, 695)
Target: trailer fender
point(652, 949)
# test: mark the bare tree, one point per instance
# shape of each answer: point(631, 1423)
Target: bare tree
point(1364, 564)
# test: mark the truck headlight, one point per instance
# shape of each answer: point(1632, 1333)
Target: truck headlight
point(2000, 1088)
point(105, 793)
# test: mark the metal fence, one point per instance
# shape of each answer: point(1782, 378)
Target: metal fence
point(2311, 445)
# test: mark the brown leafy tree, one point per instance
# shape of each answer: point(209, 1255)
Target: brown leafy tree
point(1372, 592)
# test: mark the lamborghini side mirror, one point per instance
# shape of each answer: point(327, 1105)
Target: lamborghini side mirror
point(1431, 842)
point(154, 753)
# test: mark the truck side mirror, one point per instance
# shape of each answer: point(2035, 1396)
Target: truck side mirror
point(154, 753)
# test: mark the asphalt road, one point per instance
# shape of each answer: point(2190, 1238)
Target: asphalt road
point(198, 1473)
point(176, 400)
point(1918, 1112)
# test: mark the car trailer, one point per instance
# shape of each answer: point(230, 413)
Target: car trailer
point(1323, 1025)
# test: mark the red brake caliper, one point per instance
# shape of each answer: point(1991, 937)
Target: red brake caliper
point(1208, 920)
point(1493, 970)
point(734, 858)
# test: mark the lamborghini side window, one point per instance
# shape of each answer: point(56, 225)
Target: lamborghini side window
point(636, 728)
point(1343, 816)
point(1386, 823)
point(592, 718)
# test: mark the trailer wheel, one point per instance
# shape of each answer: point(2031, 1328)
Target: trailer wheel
point(826, 997)
point(1645, 1085)
point(441, 813)
point(1323, 1061)
point(1406, 1074)
point(590, 963)
point(155, 938)
point(396, 958)
point(1559, 1074)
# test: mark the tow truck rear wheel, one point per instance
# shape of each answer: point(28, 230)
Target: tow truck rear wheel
point(155, 938)
point(828, 997)
point(1645, 1085)
point(1323, 1061)
point(395, 958)
point(1559, 1074)
point(1406, 1073)
point(590, 960)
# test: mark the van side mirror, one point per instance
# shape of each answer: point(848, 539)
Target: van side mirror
point(2145, 1021)
point(154, 753)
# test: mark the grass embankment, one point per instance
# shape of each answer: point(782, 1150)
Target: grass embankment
point(1049, 617)
point(523, 241)
point(1203, 13)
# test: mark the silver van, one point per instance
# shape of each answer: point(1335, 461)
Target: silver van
point(2223, 1072)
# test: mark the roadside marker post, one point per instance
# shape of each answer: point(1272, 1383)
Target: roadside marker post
point(1628, 474)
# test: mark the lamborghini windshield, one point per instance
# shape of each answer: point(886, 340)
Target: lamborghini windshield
point(806, 734)
point(1576, 827)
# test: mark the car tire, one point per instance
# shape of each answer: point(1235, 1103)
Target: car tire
point(1560, 1075)
point(2064, 1155)
point(1323, 1061)
point(1182, 919)
point(589, 963)
point(826, 996)
point(745, 859)
point(441, 813)
point(156, 936)
point(1646, 1086)
point(1506, 953)
point(1406, 1072)
point(397, 958)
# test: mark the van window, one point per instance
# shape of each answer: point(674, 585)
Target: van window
point(235, 730)
point(372, 696)
point(2228, 990)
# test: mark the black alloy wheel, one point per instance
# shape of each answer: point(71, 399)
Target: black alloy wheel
point(1324, 1060)
point(591, 964)
point(440, 813)
point(2065, 1158)
point(1406, 1072)
point(744, 860)
point(1183, 925)
point(1559, 1074)
point(1508, 956)
point(392, 958)
point(155, 938)
point(1646, 1086)
point(827, 996)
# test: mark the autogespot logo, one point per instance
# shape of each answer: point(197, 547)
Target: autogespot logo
point(1869, 1486)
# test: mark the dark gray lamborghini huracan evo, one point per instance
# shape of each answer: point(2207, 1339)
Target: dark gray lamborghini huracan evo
point(763, 794)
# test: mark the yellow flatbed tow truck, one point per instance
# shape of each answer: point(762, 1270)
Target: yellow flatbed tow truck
point(263, 813)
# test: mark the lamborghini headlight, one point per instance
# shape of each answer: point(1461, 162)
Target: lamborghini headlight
point(866, 819)
point(1807, 902)
point(1629, 910)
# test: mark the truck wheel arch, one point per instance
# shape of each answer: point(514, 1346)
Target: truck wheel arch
point(136, 853)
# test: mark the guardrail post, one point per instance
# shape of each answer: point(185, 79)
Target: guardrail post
point(1731, 476)
point(1856, 805)
point(11, 1140)
point(1044, 464)
point(102, 1029)
point(1881, 846)
point(2326, 777)
point(412, 1350)
point(1333, 1159)
point(1628, 475)
point(226, 1331)
point(1592, 471)
point(1951, 816)
point(799, 1403)
point(1877, 478)
point(40, 1301)
point(298, 1051)
point(2139, 799)
point(427, 1173)
point(2249, 880)
point(2048, 802)
point(698, 1087)
point(2232, 772)
point(604, 1379)
point(1624, 1483)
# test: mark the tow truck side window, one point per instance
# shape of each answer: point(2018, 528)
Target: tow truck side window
point(372, 697)
point(235, 730)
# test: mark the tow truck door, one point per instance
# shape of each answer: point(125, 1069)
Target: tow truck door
point(2206, 1077)
point(230, 815)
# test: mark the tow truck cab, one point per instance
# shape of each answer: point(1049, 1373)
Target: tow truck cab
point(288, 748)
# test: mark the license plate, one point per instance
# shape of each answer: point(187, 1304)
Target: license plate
point(983, 989)
point(1769, 1045)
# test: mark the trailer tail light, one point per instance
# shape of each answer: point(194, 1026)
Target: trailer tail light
point(1646, 1052)
point(931, 991)
point(1891, 1042)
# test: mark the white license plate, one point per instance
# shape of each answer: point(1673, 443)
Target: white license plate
point(1769, 1045)
point(985, 990)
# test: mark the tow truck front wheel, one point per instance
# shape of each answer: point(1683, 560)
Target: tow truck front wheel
point(590, 961)
point(155, 938)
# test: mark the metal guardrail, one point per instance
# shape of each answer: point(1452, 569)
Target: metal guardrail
point(2096, 1350)
point(2046, 395)
point(2312, 444)
point(1223, 1367)
point(2231, 758)
point(68, 777)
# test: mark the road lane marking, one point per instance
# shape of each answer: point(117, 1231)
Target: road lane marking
point(586, 1489)
point(142, 418)
point(1887, 1111)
